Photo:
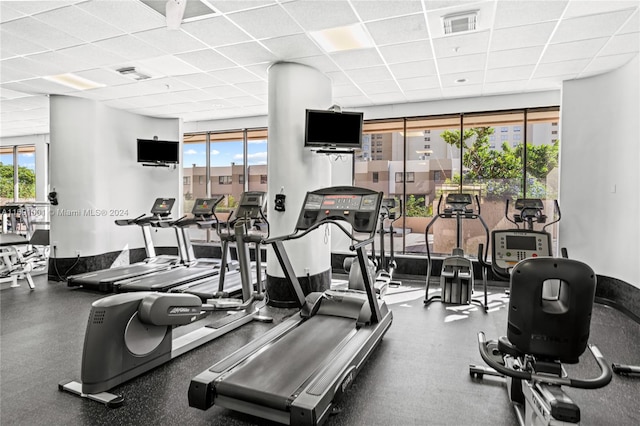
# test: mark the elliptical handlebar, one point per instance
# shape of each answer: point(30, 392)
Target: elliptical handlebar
point(602, 380)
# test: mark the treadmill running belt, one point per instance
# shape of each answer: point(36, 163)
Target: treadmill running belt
point(270, 378)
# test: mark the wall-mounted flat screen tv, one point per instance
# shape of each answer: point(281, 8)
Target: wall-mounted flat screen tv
point(152, 151)
point(328, 129)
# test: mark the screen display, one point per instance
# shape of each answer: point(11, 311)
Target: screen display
point(333, 130)
point(515, 242)
point(203, 206)
point(163, 205)
point(150, 151)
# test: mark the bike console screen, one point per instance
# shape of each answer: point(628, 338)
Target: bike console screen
point(163, 206)
point(357, 206)
point(512, 246)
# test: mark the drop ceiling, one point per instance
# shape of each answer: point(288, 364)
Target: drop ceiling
point(215, 66)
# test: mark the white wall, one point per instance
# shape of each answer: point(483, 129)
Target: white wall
point(93, 167)
point(599, 178)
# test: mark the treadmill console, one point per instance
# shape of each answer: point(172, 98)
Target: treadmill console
point(251, 205)
point(512, 246)
point(206, 206)
point(162, 206)
point(358, 206)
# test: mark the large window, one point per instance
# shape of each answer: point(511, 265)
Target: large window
point(222, 163)
point(18, 173)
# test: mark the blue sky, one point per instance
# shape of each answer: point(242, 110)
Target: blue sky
point(24, 160)
point(224, 153)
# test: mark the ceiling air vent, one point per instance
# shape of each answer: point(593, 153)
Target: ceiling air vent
point(460, 22)
point(132, 73)
point(193, 10)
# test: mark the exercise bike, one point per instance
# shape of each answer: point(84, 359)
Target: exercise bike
point(456, 275)
point(550, 306)
point(131, 333)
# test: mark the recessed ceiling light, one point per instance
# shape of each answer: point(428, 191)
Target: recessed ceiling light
point(74, 81)
point(339, 39)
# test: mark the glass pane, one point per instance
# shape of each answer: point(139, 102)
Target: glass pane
point(257, 160)
point(194, 161)
point(227, 167)
point(27, 173)
point(543, 145)
point(433, 163)
point(492, 170)
point(379, 166)
point(6, 175)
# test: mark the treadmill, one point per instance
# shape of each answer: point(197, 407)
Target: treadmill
point(296, 372)
point(191, 269)
point(228, 281)
point(103, 279)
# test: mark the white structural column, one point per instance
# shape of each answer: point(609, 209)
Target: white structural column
point(293, 171)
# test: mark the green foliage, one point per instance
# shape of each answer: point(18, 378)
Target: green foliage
point(500, 171)
point(26, 182)
point(415, 207)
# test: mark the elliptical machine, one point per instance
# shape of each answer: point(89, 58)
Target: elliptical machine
point(131, 333)
point(456, 276)
point(391, 210)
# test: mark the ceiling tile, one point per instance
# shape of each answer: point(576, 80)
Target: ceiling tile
point(342, 91)
point(472, 78)
point(632, 25)
point(581, 8)
point(206, 60)
point(413, 69)
point(38, 86)
point(381, 9)
point(40, 33)
point(587, 27)
point(217, 31)
point(254, 87)
point(521, 13)
point(78, 23)
point(247, 53)
point(387, 98)
point(377, 87)
point(32, 7)
point(235, 5)
point(386, 31)
point(130, 16)
point(224, 92)
point(574, 50)
point(525, 36)
point(419, 83)
point(560, 68)
point(8, 74)
point(368, 75)
point(509, 74)
point(92, 55)
point(322, 63)
point(194, 95)
point(294, 46)
point(170, 41)
point(200, 80)
point(319, 15)
point(11, 94)
point(266, 22)
point(626, 43)
point(129, 47)
point(166, 66)
point(464, 44)
point(407, 52)
point(339, 78)
point(20, 67)
point(603, 64)
point(245, 101)
point(352, 101)
point(51, 63)
point(7, 13)
point(514, 57)
point(108, 77)
point(548, 83)
point(352, 59)
point(234, 75)
point(18, 45)
point(453, 64)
